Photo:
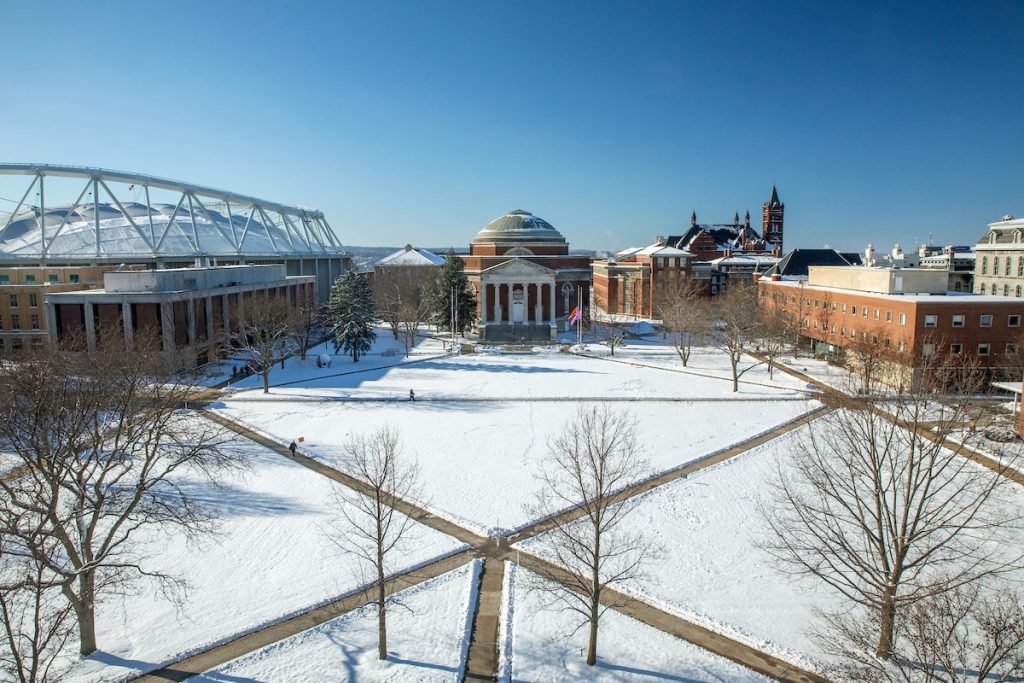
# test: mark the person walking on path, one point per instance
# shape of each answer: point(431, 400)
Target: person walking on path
point(412, 395)
point(292, 446)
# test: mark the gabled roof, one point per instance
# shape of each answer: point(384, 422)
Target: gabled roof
point(411, 256)
point(796, 262)
point(662, 250)
point(518, 266)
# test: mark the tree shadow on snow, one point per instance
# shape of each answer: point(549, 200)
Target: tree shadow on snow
point(230, 501)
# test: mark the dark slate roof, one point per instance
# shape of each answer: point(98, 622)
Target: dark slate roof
point(725, 235)
point(854, 258)
point(796, 262)
point(775, 197)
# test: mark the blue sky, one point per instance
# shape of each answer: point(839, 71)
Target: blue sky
point(420, 122)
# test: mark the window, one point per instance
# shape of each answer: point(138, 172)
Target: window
point(982, 287)
point(52, 279)
point(887, 341)
point(1020, 266)
point(33, 301)
point(1011, 348)
point(1006, 270)
point(888, 316)
point(842, 330)
point(903, 318)
point(984, 349)
point(928, 350)
point(844, 308)
point(5, 279)
point(955, 349)
point(833, 329)
point(900, 346)
point(1013, 321)
point(1018, 290)
point(853, 310)
point(958, 320)
point(15, 322)
point(14, 300)
point(30, 279)
point(1006, 290)
point(833, 305)
point(73, 277)
point(995, 265)
point(986, 321)
point(876, 314)
point(35, 322)
point(931, 320)
point(864, 312)
point(984, 265)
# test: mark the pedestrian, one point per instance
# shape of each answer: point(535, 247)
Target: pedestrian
point(412, 395)
point(292, 446)
point(234, 371)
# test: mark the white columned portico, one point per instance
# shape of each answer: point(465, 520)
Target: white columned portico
point(551, 302)
point(483, 302)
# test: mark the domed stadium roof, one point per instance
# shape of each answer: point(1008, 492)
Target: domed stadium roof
point(519, 226)
point(201, 222)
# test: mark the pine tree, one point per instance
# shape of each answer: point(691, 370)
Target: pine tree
point(352, 313)
point(451, 278)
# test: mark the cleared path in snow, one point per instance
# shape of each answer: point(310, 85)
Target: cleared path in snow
point(497, 550)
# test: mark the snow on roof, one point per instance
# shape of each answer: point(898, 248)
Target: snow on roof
point(411, 256)
point(737, 259)
point(628, 251)
point(960, 298)
point(662, 250)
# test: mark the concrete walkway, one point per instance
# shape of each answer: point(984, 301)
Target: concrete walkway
point(483, 658)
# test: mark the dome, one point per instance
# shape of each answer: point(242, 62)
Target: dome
point(519, 226)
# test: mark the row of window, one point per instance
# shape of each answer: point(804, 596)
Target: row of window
point(33, 321)
point(18, 344)
point(53, 279)
point(1006, 290)
point(956, 348)
point(1007, 266)
point(960, 320)
point(33, 300)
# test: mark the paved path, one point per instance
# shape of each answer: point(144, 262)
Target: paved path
point(482, 663)
point(243, 645)
point(279, 398)
point(483, 660)
point(711, 641)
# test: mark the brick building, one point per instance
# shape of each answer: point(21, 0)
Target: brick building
point(524, 277)
point(23, 291)
point(905, 310)
point(629, 284)
point(191, 311)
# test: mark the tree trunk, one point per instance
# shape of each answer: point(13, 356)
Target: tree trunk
point(886, 626)
point(595, 605)
point(85, 609)
point(735, 378)
point(266, 381)
point(382, 627)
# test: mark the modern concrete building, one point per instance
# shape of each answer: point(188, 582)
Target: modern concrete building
point(81, 216)
point(191, 311)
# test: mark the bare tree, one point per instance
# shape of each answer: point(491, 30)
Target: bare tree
point(773, 337)
point(264, 333)
point(876, 506)
point(735, 324)
point(36, 621)
point(373, 529)
point(99, 440)
point(685, 312)
point(613, 336)
point(308, 317)
point(967, 634)
point(595, 456)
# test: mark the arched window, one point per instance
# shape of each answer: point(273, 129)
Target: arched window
point(982, 287)
point(518, 251)
point(1018, 290)
point(1006, 290)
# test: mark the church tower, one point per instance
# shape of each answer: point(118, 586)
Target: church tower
point(771, 220)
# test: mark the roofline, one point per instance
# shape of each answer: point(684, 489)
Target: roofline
point(91, 172)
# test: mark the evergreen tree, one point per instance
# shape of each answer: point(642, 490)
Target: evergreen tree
point(352, 312)
point(452, 278)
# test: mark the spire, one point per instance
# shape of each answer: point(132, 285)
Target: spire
point(736, 218)
point(693, 219)
point(746, 220)
point(775, 197)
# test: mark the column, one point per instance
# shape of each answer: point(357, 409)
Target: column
point(51, 322)
point(225, 313)
point(126, 323)
point(209, 319)
point(483, 302)
point(167, 325)
point(551, 302)
point(536, 302)
point(190, 315)
point(497, 302)
point(90, 325)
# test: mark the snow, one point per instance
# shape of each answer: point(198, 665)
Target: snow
point(714, 573)
point(428, 637)
point(478, 460)
point(271, 559)
point(535, 645)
